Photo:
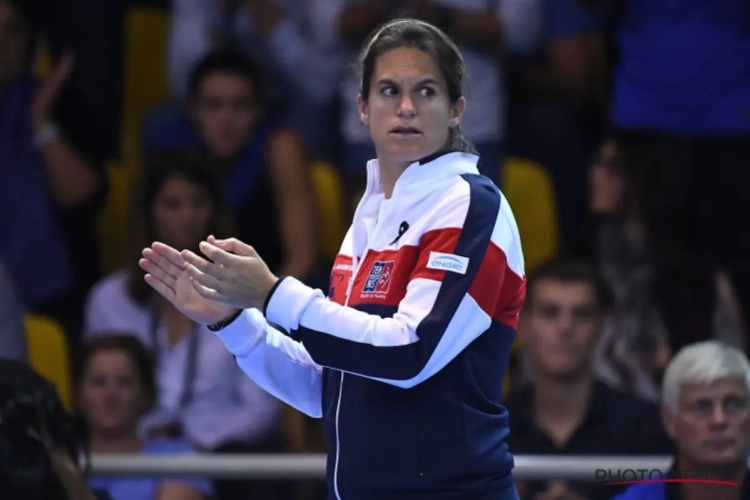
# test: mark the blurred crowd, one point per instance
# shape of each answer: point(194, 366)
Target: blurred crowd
point(630, 118)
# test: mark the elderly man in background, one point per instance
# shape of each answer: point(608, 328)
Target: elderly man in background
point(706, 412)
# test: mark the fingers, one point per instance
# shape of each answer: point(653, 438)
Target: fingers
point(160, 287)
point(205, 267)
point(162, 263)
point(158, 273)
point(208, 293)
point(233, 245)
point(217, 255)
point(169, 253)
point(64, 66)
point(204, 279)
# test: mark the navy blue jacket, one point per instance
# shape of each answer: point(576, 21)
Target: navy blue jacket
point(405, 358)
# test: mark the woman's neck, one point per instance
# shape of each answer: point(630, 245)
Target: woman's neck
point(389, 174)
point(128, 442)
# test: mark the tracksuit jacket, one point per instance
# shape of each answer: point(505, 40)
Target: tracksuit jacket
point(404, 358)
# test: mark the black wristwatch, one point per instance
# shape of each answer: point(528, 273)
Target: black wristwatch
point(225, 322)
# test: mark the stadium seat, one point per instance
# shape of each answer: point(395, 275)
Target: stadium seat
point(145, 74)
point(330, 194)
point(114, 221)
point(48, 354)
point(531, 195)
point(43, 64)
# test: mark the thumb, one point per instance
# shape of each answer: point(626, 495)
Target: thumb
point(233, 245)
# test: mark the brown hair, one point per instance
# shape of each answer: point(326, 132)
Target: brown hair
point(133, 349)
point(420, 35)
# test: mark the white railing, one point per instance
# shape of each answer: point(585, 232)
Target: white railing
point(302, 466)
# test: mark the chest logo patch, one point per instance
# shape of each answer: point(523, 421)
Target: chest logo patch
point(379, 278)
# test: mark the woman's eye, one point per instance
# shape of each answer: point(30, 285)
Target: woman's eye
point(427, 92)
point(389, 91)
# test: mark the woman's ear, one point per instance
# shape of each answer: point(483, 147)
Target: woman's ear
point(457, 112)
point(362, 107)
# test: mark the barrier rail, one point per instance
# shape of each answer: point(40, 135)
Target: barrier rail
point(312, 466)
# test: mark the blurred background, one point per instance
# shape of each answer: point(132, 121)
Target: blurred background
point(619, 131)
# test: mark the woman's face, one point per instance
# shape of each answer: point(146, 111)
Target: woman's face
point(111, 397)
point(606, 182)
point(14, 43)
point(408, 110)
point(225, 111)
point(181, 212)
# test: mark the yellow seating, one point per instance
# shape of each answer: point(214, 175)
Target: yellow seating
point(48, 354)
point(330, 194)
point(145, 74)
point(114, 220)
point(43, 65)
point(531, 195)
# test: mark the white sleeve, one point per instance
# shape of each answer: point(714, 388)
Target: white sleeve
point(276, 363)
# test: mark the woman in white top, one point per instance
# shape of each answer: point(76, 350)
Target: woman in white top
point(201, 391)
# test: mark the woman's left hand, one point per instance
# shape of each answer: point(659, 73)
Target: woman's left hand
point(236, 274)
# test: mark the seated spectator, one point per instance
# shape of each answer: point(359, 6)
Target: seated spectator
point(12, 332)
point(666, 293)
point(116, 387)
point(706, 411)
point(565, 410)
point(203, 395)
point(49, 192)
point(263, 165)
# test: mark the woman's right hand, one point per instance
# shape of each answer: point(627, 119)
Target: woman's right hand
point(167, 275)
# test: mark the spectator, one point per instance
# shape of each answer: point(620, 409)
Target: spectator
point(263, 165)
point(49, 193)
point(482, 29)
point(706, 411)
point(295, 43)
point(666, 294)
point(565, 410)
point(116, 388)
point(203, 395)
point(12, 333)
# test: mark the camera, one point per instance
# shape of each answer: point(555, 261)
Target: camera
point(33, 425)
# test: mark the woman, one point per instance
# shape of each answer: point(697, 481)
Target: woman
point(203, 396)
point(405, 358)
point(115, 389)
point(666, 292)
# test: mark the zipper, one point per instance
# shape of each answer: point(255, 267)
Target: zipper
point(341, 390)
point(350, 286)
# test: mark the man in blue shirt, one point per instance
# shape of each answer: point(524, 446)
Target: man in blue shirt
point(706, 412)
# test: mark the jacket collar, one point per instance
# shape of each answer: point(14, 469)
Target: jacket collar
point(423, 175)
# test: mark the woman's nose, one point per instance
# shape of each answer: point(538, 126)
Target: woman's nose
point(406, 106)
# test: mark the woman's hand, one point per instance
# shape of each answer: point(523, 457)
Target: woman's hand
point(236, 275)
point(167, 275)
point(49, 90)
